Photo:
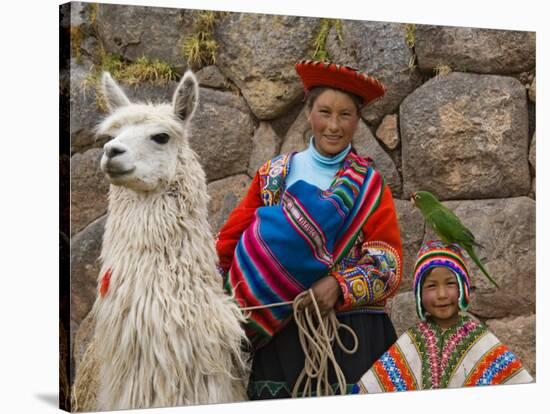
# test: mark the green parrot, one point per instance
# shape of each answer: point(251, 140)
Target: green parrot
point(448, 226)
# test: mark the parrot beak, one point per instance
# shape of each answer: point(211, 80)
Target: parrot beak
point(413, 198)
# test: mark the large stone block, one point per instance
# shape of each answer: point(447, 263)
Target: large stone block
point(411, 225)
point(136, 31)
point(224, 195)
point(468, 49)
point(211, 77)
point(368, 146)
point(506, 229)
point(265, 145)
point(380, 49)
point(388, 132)
point(519, 334)
point(465, 136)
point(402, 313)
point(85, 267)
point(89, 189)
point(258, 53)
point(80, 341)
point(221, 133)
point(84, 113)
point(298, 135)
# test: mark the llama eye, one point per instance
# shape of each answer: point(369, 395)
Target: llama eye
point(161, 138)
point(104, 137)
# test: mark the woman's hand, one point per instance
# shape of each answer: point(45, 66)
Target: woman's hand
point(326, 292)
point(366, 259)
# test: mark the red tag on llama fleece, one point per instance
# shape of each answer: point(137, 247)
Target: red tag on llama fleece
point(104, 288)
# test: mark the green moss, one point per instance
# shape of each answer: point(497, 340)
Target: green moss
point(76, 41)
point(410, 34)
point(143, 70)
point(410, 37)
point(442, 69)
point(94, 8)
point(320, 41)
point(199, 48)
point(112, 63)
point(412, 63)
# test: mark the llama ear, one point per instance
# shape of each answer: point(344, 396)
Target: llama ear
point(114, 96)
point(186, 97)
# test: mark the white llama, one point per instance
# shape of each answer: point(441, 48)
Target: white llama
point(165, 333)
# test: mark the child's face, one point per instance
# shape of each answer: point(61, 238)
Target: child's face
point(440, 296)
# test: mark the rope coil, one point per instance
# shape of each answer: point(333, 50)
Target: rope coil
point(317, 334)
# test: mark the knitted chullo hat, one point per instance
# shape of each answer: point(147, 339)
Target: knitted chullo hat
point(435, 253)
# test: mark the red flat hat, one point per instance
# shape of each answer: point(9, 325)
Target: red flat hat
point(314, 73)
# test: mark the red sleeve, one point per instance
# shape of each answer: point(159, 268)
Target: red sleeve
point(382, 225)
point(370, 283)
point(238, 221)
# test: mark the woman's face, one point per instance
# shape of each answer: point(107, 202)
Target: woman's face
point(333, 119)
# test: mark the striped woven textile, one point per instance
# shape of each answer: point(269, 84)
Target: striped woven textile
point(427, 357)
point(291, 245)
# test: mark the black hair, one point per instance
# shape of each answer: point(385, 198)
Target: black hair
point(425, 276)
point(318, 90)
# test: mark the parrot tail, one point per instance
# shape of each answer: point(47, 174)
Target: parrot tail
point(481, 246)
point(476, 260)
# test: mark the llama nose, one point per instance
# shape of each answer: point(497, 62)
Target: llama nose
point(113, 150)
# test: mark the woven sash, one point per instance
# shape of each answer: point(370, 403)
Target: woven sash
point(291, 245)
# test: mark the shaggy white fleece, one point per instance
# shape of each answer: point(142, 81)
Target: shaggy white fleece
point(165, 334)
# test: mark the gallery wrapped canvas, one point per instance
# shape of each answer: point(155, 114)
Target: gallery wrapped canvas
point(174, 130)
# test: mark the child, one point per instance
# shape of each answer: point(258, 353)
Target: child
point(446, 349)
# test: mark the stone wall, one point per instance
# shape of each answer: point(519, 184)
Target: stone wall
point(458, 120)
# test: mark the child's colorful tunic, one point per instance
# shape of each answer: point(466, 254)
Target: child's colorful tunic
point(427, 357)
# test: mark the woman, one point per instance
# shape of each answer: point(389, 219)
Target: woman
point(322, 219)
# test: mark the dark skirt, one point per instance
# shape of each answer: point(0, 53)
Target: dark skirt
point(277, 365)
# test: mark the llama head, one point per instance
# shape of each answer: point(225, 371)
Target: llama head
point(142, 152)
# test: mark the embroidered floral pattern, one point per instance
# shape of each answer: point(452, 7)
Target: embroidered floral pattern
point(372, 281)
point(443, 349)
point(272, 178)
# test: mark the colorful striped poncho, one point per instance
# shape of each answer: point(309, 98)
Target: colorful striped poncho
point(291, 245)
point(427, 357)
